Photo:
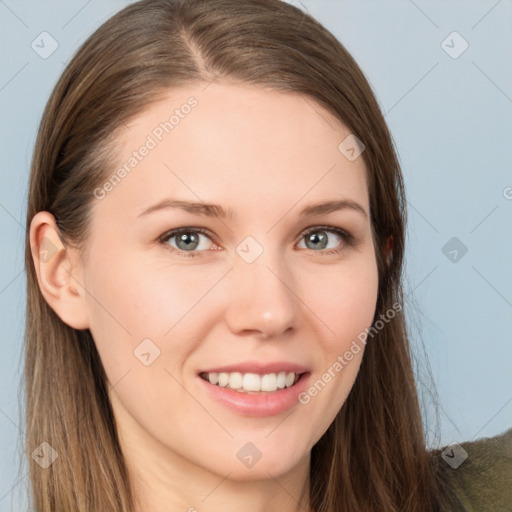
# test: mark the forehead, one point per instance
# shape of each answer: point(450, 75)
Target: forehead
point(239, 145)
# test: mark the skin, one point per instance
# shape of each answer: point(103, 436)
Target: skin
point(264, 155)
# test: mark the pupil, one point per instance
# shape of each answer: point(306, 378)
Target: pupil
point(322, 238)
point(187, 239)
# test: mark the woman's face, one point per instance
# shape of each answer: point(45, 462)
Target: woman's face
point(256, 285)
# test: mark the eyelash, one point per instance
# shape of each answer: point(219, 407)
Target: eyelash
point(348, 239)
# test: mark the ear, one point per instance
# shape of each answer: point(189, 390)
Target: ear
point(55, 265)
point(388, 250)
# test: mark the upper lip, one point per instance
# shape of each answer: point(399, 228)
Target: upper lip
point(258, 367)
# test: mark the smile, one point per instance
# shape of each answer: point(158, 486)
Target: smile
point(252, 382)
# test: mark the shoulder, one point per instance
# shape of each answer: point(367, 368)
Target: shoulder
point(476, 476)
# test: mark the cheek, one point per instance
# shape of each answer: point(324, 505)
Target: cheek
point(145, 298)
point(345, 302)
point(345, 306)
point(132, 301)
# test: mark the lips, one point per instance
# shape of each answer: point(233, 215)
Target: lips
point(258, 367)
point(257, 403)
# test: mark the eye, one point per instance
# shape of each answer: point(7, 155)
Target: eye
point(187, 240)
point(317, 239)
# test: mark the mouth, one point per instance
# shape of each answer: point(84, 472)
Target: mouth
point(253, 383)
point(255, 394)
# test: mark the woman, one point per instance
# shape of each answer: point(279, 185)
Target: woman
point(188, 347)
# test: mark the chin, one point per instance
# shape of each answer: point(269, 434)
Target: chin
point(260, 471)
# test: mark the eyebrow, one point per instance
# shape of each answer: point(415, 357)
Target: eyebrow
point(215, 210)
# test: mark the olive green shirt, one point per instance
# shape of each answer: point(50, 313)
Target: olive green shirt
point(476, 476)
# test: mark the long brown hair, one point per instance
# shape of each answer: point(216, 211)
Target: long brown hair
point(373, 456)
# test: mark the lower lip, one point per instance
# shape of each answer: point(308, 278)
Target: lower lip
point(261, 404)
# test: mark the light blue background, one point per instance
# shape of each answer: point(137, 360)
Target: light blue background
point(452, 123)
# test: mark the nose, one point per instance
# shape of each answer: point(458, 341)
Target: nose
point(261, 300)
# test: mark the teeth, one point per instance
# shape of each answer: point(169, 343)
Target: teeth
point(269, 382)
point(223, 380)
point(235, 380)
point(214, 378)
point(252, 382)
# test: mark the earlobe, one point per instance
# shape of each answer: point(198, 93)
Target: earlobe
point(54, 266)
